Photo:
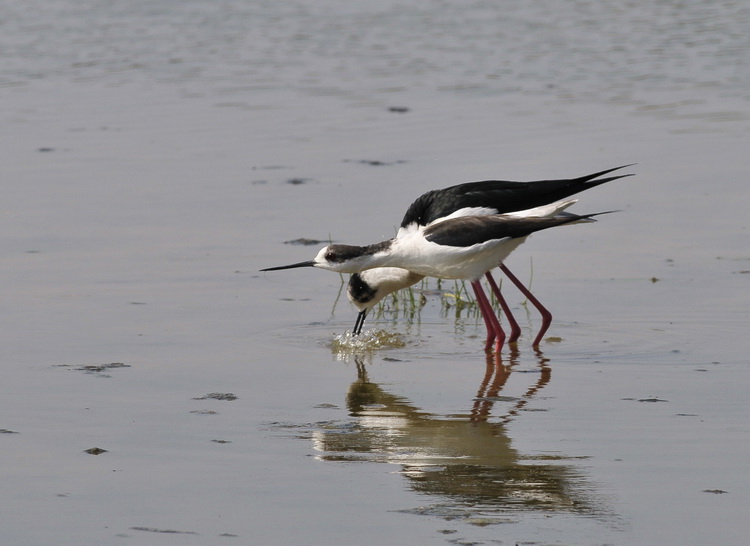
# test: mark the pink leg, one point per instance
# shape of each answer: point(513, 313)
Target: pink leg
point(546, 315)
point(487, 323)
point(494, 330)
point(515, 329)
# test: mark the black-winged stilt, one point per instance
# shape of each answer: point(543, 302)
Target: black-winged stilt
point(467, 242)
point(367, 288)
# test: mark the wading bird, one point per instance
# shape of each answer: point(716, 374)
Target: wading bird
point(459, 233)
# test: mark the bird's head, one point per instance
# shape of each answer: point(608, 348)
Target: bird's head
point(367, 288)
point(338, 258)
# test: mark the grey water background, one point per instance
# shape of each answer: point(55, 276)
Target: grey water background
point(155, 155)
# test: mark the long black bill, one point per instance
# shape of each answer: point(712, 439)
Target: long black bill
point(359, 323)
point(292, 266)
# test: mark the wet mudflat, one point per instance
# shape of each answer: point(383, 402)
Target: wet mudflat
point(157, 389)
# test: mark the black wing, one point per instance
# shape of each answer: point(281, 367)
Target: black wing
point(472, 230)
point(502, 195)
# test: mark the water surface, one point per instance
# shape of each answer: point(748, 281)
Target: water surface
point(157, 155)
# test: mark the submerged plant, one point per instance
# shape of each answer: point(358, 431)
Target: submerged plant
point(407, 304)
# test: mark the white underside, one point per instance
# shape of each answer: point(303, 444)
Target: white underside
point(420, 256)
point(411, 251)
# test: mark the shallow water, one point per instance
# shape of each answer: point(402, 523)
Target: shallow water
point(156, 155)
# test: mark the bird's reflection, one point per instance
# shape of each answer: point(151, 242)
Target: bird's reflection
point(495, 378)
point(463, 459)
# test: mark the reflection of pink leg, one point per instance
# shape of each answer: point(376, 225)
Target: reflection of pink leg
point(488, 393)
point(546, 315)
point(515, 329)
point(494, 330)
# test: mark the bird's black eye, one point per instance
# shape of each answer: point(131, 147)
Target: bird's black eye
point(330, 256)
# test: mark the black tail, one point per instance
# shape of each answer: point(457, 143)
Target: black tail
point(503, 195)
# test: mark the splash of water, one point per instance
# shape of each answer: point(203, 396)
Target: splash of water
point(369, 340)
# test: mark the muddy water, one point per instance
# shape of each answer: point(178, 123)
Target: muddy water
point(155, 156)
